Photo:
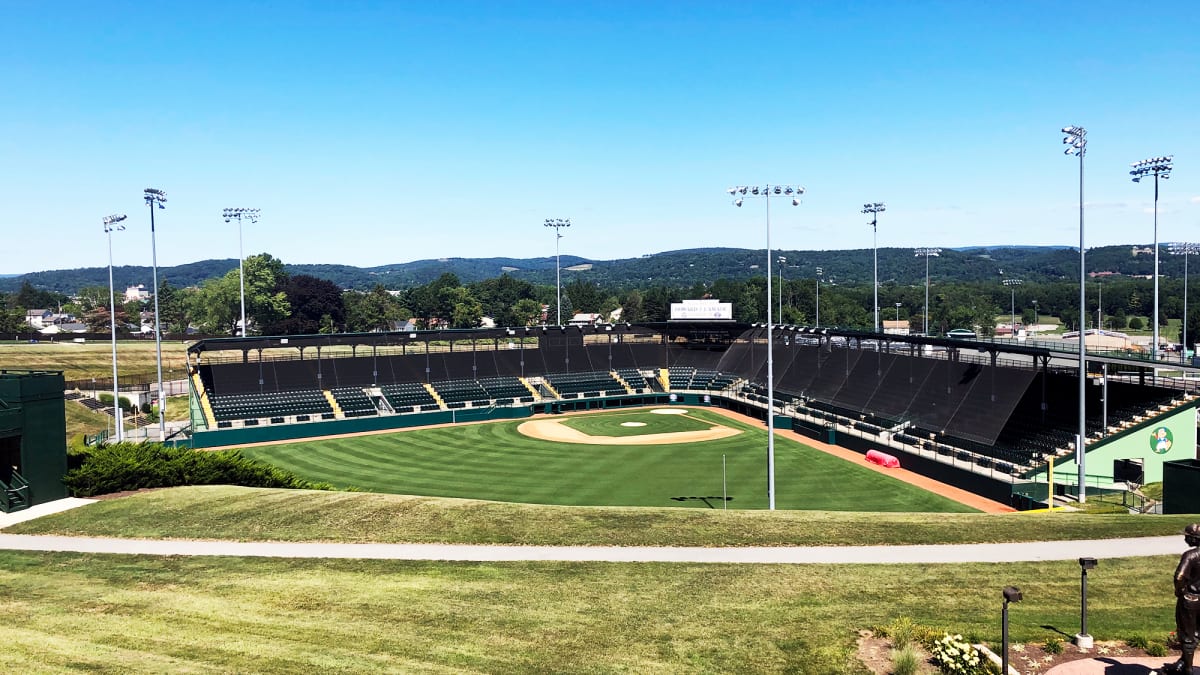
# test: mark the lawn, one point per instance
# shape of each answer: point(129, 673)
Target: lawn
point(226, 512)
point(495, 462)
point(79, 361)
point(138, 614)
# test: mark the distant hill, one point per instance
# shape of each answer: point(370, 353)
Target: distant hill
point(684, 267)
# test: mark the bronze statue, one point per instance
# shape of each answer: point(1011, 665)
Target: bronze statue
point(1187, 602)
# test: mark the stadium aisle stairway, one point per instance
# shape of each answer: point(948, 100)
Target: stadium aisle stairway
point(337, 409)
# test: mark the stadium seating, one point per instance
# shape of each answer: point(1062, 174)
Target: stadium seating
point(354, 402)
point(588, 384)
point(409, 397)
point(272, 404)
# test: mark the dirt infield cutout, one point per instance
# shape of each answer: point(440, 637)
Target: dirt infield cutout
point(555, 430)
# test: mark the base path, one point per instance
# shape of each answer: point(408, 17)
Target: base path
point(555, 430)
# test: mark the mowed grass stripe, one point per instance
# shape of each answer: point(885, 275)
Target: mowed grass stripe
point(496, 462)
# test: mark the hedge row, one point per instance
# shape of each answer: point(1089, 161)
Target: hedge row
point(132, 466)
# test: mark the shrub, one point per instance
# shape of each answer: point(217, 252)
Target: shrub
point(132, 466)
point(902, 632)
point(1135, 323)
point(956, 656)
point(905, 661)
point(1156, 649)
point(1138, 642)
point(1053, 645)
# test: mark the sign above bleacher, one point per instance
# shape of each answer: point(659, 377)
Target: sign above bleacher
point(701, 310)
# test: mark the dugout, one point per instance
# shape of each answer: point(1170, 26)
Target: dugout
point(1181, 486)
point(33, 438)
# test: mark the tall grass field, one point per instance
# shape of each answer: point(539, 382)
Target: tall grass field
point(494, 461)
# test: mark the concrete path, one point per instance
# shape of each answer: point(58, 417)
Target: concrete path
point(1112, 665)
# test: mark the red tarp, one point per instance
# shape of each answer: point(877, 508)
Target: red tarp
point(883, 459)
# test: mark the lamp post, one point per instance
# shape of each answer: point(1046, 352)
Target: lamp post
point(927, 252)
point(1012, 284)
point(1011, 594)
point(1157, 167)
point(1035, 315)
point(740, 193)
point(158, 198)
point(110, 224)
point(1076, 142)
point(875, 209)
point(1084, 640)
point(558, 224)
point(897, 312)
point(252, 216)
point(1184, 249)
point(818, 321)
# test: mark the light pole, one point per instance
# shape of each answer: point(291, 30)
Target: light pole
point(1157, 167)
point(875, 209)
point(110, 224)
point(252, 216)
point(1184, 249)
point(818, 297)
point(1012, 284)
point(782, 263)
point(1035, 315)
point(558, 224)
point(897, 312)
point(740, 193)
point(927, 252)
point(1076, 142)
point(158, 198)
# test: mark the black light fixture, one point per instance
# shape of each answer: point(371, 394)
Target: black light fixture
point(1011, 594)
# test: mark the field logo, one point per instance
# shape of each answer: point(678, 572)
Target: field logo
point(1161, 441)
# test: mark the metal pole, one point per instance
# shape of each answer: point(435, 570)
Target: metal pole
point(112, 308)
point(1080, 446)
point(1083, 604)
point(558, 275)
point(926, 294)
point(770, 370)
point(1154, 349)
point(1004, 639)
point(1013, 308)
point(162, 398)
point(818, 297)
point(875, 257)
point(242, 275)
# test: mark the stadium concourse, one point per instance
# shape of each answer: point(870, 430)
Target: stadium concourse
point(985, 417)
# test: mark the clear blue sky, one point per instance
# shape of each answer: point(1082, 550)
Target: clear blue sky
point(381, 132)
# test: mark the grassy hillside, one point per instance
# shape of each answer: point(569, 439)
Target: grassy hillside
point(80, 361)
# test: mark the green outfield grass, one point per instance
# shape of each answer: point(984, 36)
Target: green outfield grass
point(495, 462)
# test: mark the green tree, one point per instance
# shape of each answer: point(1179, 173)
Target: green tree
point(375, 310)
point(526, 312)
point(316, 306)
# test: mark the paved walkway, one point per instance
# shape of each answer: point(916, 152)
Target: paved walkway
point(1113, 665)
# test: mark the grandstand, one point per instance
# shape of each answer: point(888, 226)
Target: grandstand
point(982, 416)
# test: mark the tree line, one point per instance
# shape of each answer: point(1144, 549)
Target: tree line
point(282, 303)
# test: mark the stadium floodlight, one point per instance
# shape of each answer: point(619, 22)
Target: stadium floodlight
point(157, 198)
point(1076, 142)
point(928, 252)
point(252, 216)
point(1159, 167)
point(558, 224)
point(875, 209)
point(818, 279)
point(1012, 285)
point(112, 223)
point(795, 191)
point(1185, 249)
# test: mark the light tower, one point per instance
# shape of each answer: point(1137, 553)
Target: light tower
point(1076, 142)
point(875, 209)
point(158, 198)
point(928, 252)
point(558, 224)
point(741, 193)
point(252, 216)
point(1012, 284)
point(1185, 249)
point(112, 223)
point(1159, 167)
